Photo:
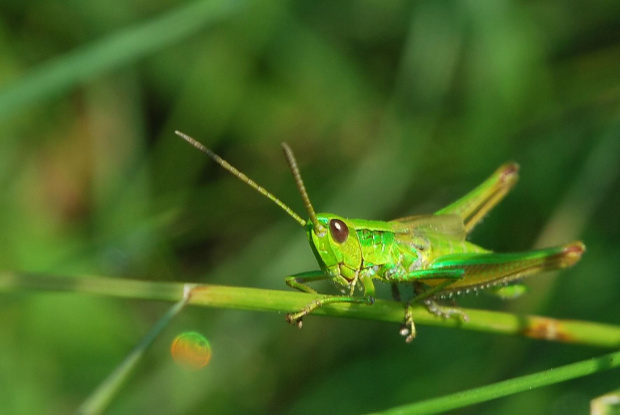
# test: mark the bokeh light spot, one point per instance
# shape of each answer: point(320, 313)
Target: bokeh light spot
point(191, 350)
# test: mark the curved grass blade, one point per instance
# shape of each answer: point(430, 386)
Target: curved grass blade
point(120, 48)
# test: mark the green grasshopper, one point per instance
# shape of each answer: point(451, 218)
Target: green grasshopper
point(429, 251)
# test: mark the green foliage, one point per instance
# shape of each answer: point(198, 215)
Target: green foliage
point(393, 108)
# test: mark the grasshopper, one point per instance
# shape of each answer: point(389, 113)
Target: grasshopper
point(429, 251)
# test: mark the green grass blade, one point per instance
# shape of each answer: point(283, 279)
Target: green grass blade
point(253, 299)
point(509, 387)
point(120, 48)
point(107, 390)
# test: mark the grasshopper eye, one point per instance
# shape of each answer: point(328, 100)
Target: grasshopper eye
point(339, 230)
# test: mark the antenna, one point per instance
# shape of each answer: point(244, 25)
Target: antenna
point(245, 179)
point(302, 189)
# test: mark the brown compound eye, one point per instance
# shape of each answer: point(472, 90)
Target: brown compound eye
point(339, 230)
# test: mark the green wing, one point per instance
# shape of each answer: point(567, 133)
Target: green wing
point(432, 236)
point(429, 234)
point(447, 226)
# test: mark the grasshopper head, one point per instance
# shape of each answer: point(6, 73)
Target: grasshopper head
point(335, 245)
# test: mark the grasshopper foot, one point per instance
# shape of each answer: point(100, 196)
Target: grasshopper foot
point(294, 320)
point(443, 311)
point(407, 329)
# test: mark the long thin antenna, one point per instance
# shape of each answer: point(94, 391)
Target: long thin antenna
point(245, 179)
point(300, 186)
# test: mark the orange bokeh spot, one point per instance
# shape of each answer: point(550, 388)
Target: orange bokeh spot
point(191, 350)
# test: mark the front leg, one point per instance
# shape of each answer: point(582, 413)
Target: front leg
point(297, 282)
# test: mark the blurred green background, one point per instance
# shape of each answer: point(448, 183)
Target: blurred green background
point(393, 108)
